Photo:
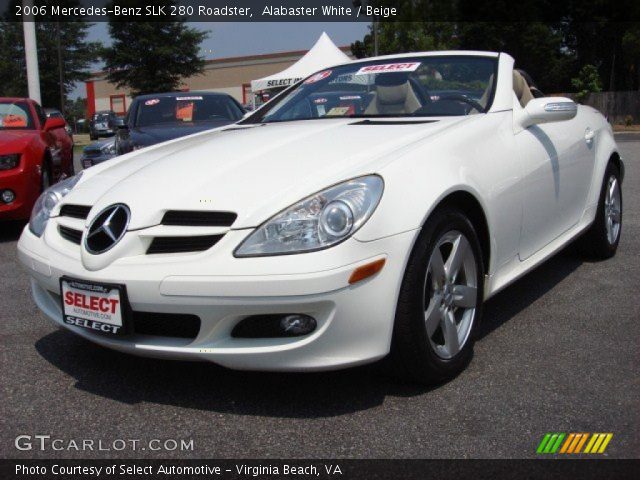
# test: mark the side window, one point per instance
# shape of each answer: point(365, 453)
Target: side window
point(42, 117)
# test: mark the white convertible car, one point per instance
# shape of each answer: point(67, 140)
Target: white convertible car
point(367, 211)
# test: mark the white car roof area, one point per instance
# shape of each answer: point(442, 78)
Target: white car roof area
point(440, 53)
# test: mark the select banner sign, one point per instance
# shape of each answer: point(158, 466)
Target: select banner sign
point(282, 82)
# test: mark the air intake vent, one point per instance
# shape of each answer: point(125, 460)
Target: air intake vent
point(166, 324)
point(183, 244)
point(70, 234)
point(75, 211)
point(186, 218)
point(391, 122)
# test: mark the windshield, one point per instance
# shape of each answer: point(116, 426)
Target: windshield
point(15, 116)
point(401, 87)
point(101, 117)
point(186, 110)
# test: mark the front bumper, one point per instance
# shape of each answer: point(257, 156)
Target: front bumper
point(90, 161)
point(104, 132)
point(354, 321)
point(25, 186)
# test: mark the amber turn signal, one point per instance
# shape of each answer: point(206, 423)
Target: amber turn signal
point(366, 271)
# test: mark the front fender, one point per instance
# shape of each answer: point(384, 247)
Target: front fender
point(479, 160)
point(606, 147)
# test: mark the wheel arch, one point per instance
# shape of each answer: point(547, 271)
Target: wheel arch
point(471, 206)
point(616, 159)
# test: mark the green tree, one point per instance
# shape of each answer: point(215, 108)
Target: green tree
point(412, 30)
point(148, 57)
point(587, 81)
point(550, 40)
point(631, 49)
point(535, 46)
point(77, 55)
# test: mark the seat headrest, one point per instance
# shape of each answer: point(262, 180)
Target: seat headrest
point(391, 79)
point(519, 84)
point(392, 95)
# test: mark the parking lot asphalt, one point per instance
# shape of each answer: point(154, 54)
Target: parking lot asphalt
point(558, 352)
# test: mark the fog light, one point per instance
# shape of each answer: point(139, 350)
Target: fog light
point(297, 324)
point(8, 196)
point(274, 326)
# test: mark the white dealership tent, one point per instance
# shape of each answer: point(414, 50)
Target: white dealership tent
point(323, 54)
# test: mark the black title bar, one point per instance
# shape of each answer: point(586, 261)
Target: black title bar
point(322, 10)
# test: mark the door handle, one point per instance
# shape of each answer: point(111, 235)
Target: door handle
point(589, 135)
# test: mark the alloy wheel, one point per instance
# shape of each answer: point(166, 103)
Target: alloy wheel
point(612, 209)
point(450, 294)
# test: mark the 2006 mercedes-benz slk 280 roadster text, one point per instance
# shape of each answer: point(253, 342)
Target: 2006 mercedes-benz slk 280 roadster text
point(368, 210)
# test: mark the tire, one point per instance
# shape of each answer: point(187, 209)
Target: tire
point(602, 239)
point(416, 355)
point(93, 137)
point(72, 168)
point(45, 176)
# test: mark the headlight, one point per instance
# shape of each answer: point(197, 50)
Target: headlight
point(109, 149)
point(7, 162)
point(317, 222)
point(47, 201)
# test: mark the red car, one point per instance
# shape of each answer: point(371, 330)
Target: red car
point(35, 152)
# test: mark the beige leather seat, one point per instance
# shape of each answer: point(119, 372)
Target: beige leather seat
point(521, 89)
point(393, 100)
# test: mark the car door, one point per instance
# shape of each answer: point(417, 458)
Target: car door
point(558, 161)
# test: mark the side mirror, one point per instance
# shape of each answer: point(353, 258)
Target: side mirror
point(119, 123)
point(54, 122)
point(548, 109)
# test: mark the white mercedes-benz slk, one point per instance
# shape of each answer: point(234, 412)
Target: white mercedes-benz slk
point(368, 210)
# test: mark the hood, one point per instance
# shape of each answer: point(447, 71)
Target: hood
point(254, 171)
point(145, 136)
point(14, 141)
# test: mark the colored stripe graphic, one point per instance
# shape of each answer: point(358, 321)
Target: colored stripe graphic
point(598, 442)
point(550, 443)
point(572, 443)
point(567, 442)
point(581, 442)
point(592, 441)
point(543, 443)
point(606, 441)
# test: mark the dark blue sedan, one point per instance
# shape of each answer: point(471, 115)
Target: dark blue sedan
point(160, 117)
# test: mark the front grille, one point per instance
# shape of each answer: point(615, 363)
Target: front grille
point(183, 244)
point(92, 153)
point(70, 234)
point(75, 211)
point(166, 324)
point(188, 218)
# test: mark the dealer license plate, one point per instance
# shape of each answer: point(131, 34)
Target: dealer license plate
point(95, 306)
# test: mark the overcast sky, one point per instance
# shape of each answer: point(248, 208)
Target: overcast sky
point(235, 39)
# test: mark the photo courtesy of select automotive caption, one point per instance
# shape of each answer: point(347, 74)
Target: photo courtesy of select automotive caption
point(381, 203)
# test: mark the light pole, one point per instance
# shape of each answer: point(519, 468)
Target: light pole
point(31, 52)
point(60, 69)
